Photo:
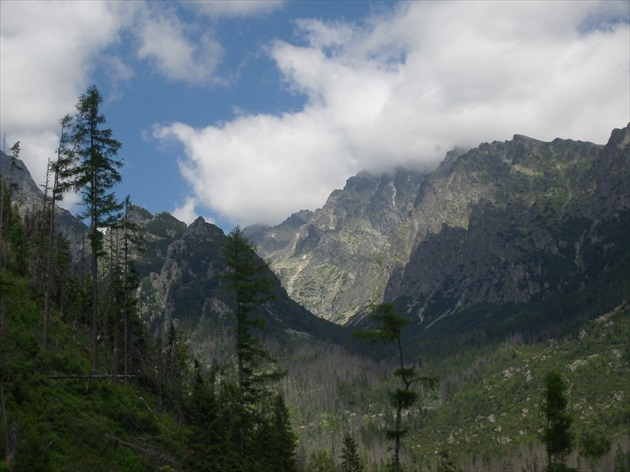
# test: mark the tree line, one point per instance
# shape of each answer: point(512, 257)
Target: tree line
point(230, 422)
point(233, 416)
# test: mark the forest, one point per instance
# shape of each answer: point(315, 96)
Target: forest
point(86, 383)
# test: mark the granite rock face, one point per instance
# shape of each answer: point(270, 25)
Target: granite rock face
point(506, 222)
point(29, 200)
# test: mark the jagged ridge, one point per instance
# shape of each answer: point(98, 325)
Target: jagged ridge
point(506, 222)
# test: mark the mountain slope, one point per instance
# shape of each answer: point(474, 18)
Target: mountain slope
point(179, 267)
point(339, 257)
point(504, 223)
point(29, 199)
point(551, 221)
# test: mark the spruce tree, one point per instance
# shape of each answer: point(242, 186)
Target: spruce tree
point(95, 175)
point(389, 328)
point(556, 434)
point(351, 462)
point(248, 279)
point(283, 439)
point(207, 440)
point(62, 170)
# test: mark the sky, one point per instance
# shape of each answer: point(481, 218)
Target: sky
point(245, 112)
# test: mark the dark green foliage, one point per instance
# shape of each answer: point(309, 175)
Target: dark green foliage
point(95, 173)
point(164, 417)
point(275, 440)
point(225, 435)
point(207, 440)
point(350, 459)
point(130, 423)
point(593, 446)
point(68, 422)
point(321, 461)
point(18, 249)
point(249, 282)
point(446, 463)
point(389, 328)
point(557, 430)
point(97, 170)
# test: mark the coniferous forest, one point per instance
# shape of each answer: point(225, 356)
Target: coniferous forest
point(92, 380)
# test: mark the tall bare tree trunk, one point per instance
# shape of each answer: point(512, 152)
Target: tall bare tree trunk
point(51, 236)
point(94, 268)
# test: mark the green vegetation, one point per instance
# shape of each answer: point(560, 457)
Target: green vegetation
point(150, 405)
point(351, 461)
point(389, 329)
point(94, 174)
point(160, 413)
point(557, 430)
point(98, 392)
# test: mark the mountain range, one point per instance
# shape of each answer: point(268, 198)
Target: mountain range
point(511, 258)
point(504, 225)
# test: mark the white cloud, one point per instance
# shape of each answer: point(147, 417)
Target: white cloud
point(403, 89)
point(50, 49)
point(251, 174)
point(235, 8)
point(47, 51)
point(177, 49)
point(186, 212)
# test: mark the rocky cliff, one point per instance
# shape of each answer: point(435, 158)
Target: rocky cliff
point(503, 224)
point(180, 270)
point(506, 222)
point(29, 200)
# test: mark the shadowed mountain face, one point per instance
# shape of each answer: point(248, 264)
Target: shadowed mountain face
point(180, 269)
point(505, 223)
point(29, 200)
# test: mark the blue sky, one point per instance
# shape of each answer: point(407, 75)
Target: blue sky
point(247, 111)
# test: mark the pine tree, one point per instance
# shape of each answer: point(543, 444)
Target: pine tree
point(95, 174)
point(557, 431)
point(131, 281)
point(248, 278)
point(389, 329)
point(62, 171)
point(351, 462)
point(283, 440)
point(206, 438)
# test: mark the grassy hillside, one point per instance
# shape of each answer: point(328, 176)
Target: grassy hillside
point(492, 408)
point(56, 416)
point(484, 415)
point(486, 411)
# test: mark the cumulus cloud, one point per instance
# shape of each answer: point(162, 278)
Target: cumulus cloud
point(176, 51)
point(49, 51)
point(241, 181)
point(186, 212)
point(46, 50)
point(400, 87)
point(404, 88)
point(234, 8)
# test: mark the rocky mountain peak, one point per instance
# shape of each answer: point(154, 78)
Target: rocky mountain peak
point(466, 231)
